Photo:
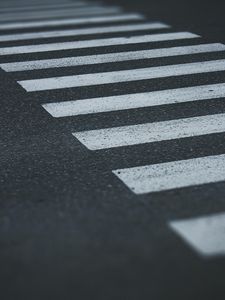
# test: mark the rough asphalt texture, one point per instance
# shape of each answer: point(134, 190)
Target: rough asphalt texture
point(69, 229)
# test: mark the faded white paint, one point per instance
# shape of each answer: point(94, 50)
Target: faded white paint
point(132, 101)
point(110, 57)
point(122, 76)
point(42, 7)
point(8, 5)
point(68, 12)
point(82, 31)
point(96, 43)
point(151, 132)
point(73, 21)
point(205, 234)
point(173, 175)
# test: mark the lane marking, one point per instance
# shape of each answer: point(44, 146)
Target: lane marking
point(96, 43)
point(74, 21)
point(132, 101)
point(12, 5)
point(151, 132)
point(83, 31)
point(75, 12)
point(110, 57)
point(40, 7)
point(204, 234)
point(173, 175)
point(122, 76)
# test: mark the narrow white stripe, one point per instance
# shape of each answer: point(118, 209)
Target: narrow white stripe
point(122, 76)
point(75, 12)
point(43, 7)
point(83, 31)
point(33, 3)
point(151, 132)
point(54, 9)
point(96, 43)
point(110, 57)
point(131, 101)
point(12, 5)
point(204, 234)
point(73, 21)
point(173, 175)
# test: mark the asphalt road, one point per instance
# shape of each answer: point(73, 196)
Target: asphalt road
point(69, 228)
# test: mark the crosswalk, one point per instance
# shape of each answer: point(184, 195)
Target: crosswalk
point(136, 40)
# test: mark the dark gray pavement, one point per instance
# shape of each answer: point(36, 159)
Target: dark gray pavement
point(69, 229)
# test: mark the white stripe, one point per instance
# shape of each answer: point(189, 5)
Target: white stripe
point(35, 3)
point(173, 175)
point(122, 76)
point(43, 7)
point(9, 4)
point(110, 57)
point(206, 235)
point(151, 132)
point(54, 9)
point(75, 12)
point(131, 101)
point(83, 31)
point(96, 43)
point(12, 5)
point(73, 21)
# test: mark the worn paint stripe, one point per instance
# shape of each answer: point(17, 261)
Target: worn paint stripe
point(40, 8)
point(204, 234)
point(122, 76)
point(89, 11)
point(14, 5)
point(96, 43)
point(83, 31)
point(151, 132)
point(173, 175)
point(110, 57)
point(73, 21)
point(132, 101)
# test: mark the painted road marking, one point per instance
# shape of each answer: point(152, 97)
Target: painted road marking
point(82, 31)
point(74, 21)
point(96, 43)
point(41, 8)
point(12, 4)
point(132, 101)
point(110, 57)
point(75, 12)
point(173, 175)
point(206, 234)
point(151, 132)
point(122, 76)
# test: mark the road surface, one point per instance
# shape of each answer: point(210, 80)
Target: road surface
point(112, 150)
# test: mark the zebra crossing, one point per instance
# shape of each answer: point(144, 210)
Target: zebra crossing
point(99, 19)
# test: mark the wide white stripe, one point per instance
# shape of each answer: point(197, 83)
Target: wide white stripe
point(73, 21)
point(131, 101)
point(96, 43)
point(110, 57)
point(75, 12)
point(206, 234)
point(42, 7)
point(83, 31)
point(122, 76)
point(151, 132)
point(173, 175)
